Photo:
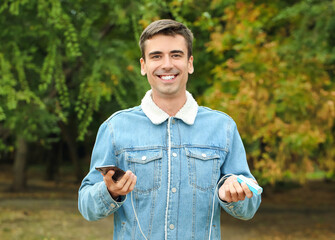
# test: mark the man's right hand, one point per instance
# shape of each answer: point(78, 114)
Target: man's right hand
point(122, 187)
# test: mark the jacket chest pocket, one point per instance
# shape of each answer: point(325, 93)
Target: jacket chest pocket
point(147, 166)
point(203, 167)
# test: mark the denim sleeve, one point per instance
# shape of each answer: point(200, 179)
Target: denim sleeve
point(94, 200)
point(236, 163)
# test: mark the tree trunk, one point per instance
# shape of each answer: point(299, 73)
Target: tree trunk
point(20, 163)
point(72, 147)
point(53, 163)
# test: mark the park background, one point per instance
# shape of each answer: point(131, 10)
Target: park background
point(66, 66)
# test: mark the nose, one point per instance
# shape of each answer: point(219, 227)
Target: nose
point(167, 63)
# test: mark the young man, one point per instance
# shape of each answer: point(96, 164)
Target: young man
point(181, 159)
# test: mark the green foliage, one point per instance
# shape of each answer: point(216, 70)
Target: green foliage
point(268, 64)
point(65, 59)
point(274, 75)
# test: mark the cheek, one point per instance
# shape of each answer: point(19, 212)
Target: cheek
point(149, 67)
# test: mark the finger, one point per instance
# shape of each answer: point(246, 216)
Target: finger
point(224, 191)
point(233, 192)
point(114, 186)
point(108, 177)
point(109, 174)
point(222, 194)
point(246, 190)
point(128, 183)
point(133, 183)
point(228, 193)
point(230, 179)
point(124, 179)
point(239, 191)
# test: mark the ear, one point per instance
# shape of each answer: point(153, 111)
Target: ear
point(143, 68)
point(190, 65)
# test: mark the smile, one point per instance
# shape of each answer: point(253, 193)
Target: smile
point(167, 77)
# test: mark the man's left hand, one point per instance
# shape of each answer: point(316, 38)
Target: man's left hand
point(233, 191)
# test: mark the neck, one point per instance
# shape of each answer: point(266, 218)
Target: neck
point(170, 105)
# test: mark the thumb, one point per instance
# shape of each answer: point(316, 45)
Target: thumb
point(110, 173)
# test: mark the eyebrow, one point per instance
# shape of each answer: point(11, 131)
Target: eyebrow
point(177, 51)
point(159, 52)
point(155, 53)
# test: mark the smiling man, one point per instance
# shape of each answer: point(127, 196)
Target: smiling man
point(182, 160)
point(167, 67)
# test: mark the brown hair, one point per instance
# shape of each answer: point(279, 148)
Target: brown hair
point(167, 27)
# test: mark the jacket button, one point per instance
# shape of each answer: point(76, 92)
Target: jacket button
point(171, 226)
point(144, 158)
point(203, 155)
point(174, 190)
point(174, 154)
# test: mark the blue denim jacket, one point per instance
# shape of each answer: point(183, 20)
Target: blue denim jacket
point(180, 162)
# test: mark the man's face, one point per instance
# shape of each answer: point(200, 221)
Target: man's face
point(166, 65)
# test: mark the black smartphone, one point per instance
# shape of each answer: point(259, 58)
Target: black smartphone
point(118, 171)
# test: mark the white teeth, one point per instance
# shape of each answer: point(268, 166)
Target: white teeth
point(167, 77)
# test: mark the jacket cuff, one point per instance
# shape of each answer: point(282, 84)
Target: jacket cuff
point(109, 203)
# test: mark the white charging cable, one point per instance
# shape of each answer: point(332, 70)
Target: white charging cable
point(139, 225)
point(213, 206)
point(212, 216)
point(138, 222)
point(169, 170)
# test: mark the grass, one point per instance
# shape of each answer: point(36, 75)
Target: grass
point(47, 210)
point(32, 219)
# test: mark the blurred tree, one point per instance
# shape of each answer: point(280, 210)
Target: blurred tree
point(59, 61)
point(275, 76)
point(65, 66)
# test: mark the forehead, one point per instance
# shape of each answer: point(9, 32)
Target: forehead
point(165, 43)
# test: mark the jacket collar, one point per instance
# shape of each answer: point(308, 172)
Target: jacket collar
point(157, 116)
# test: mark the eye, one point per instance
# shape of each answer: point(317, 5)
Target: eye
point(176, 56)
point(155, 57)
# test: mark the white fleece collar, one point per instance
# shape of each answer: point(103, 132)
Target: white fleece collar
point(157, 116)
